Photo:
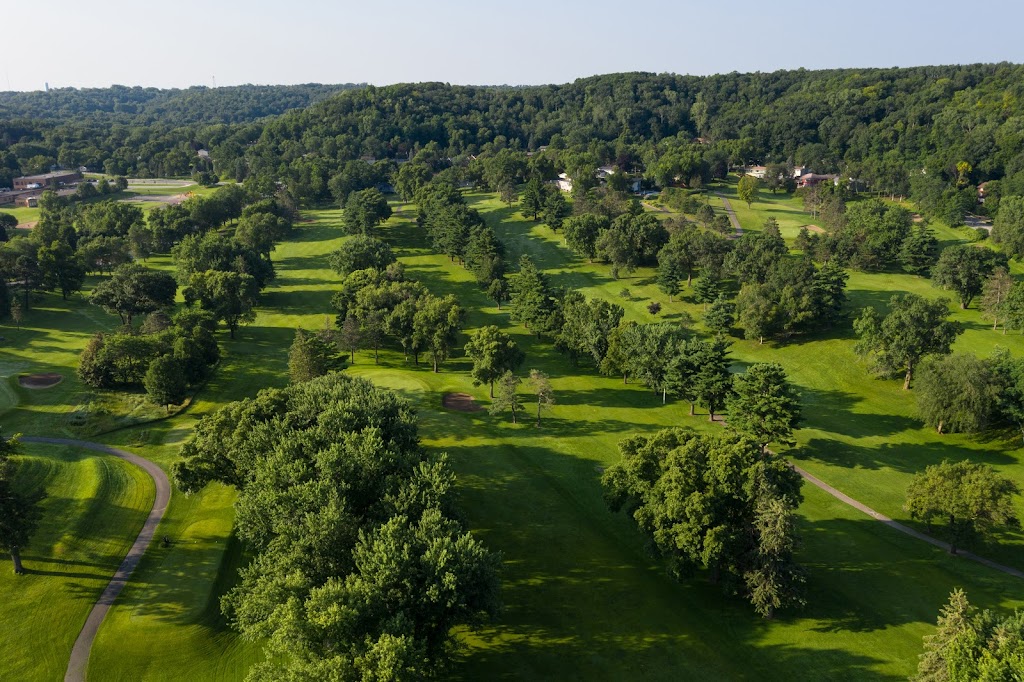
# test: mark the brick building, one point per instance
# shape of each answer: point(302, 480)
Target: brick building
point(47, 180)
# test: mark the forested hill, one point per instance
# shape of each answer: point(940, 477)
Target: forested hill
point(143, 106)
point(923, 115)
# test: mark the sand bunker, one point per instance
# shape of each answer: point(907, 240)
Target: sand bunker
point(814, 228)
point(40, 380)
point(460, 402)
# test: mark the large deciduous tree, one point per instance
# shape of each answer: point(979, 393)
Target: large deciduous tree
point(133, 290)
point(737, 519)
point(1008, 227)
point(20, 511)
point(747, 189)
point(970, 498)
point(359, 253)
point(230, 296)
point(914, 328)
point(364, 210)
point(964, 269)
point(359, 569)
point(956, 393)
point(438, 322)
point(493, 353)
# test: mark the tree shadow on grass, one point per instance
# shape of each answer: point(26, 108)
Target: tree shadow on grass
point(903, 457)
point(833, 410)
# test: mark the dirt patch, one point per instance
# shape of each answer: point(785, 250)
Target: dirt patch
point(26, 226)
point(815, 228)
point(917, 217)
point(460, 402)
point(48, 380)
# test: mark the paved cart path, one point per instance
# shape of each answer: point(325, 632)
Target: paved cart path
point(732, 215)
point(878, 516)
point(83, 645)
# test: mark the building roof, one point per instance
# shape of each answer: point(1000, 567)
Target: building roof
point(48, 176)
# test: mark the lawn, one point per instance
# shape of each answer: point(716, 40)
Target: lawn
point(584, 599)
point(95, 506)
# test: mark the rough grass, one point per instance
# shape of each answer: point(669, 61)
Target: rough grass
point(584, 599)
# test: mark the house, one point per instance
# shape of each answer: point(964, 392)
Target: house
point(27, 201)
point(756, 171)
point(564, 182)
point(604, 171)
point(812, 179)
point(800, 171)
point(203, 154)
point(981, 192)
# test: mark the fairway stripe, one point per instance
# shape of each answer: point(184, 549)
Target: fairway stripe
point(83, 644)
point(878, 516)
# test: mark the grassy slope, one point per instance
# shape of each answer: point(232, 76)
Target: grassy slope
point(95, 506)
point(584, 600)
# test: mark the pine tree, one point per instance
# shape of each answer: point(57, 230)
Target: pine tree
point(764, 405)
point(533, 198)
point(705, 290)
point(720, 316)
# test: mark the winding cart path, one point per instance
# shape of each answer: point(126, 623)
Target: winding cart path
point(83, 644)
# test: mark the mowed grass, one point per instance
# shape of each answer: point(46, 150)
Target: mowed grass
point(95, 506)
point(584, 598)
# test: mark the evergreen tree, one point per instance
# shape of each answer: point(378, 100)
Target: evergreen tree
point(312, 354)
point(920, 250)
point(720, 317)
point(764, 405)
point(556, 210)
point(705, 290)
point(533, 198)
point(713, 381)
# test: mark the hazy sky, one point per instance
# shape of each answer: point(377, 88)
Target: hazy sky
point(189, 42)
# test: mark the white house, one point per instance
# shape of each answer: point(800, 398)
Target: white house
point(564, 182)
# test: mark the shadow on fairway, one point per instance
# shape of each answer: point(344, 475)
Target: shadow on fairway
point(904, 457)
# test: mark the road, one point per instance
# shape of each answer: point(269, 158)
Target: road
point(83, 645)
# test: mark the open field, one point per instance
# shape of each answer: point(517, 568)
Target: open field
point(584, 600)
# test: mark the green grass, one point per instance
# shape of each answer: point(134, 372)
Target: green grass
point(24, 215)
point(584, 599)
point(95, 506)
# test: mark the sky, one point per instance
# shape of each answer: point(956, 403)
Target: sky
point(71, 43)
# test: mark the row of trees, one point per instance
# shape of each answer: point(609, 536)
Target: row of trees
point(378, 571)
